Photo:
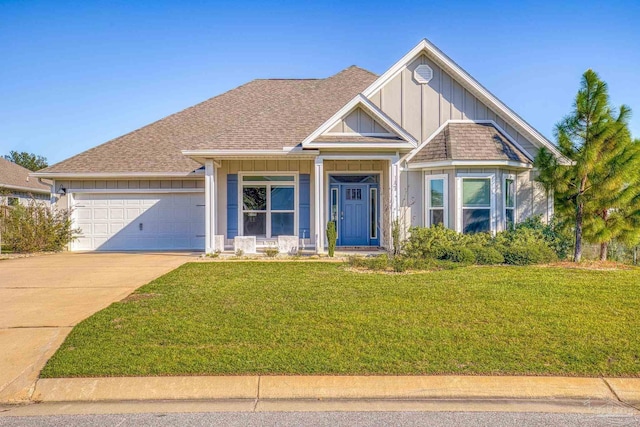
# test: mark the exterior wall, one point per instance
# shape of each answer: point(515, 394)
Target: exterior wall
point(358, 121)
point(23, 197)
point(422, 108)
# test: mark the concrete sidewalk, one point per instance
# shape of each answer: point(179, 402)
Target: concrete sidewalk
point(617, 391)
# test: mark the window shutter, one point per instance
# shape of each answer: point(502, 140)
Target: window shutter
point(305, 206)
point(232, 206)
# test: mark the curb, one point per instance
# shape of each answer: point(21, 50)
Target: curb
point(625, 390)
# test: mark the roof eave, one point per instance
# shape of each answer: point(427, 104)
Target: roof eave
point(468, 163)
point(26, 189)
point(115, 175)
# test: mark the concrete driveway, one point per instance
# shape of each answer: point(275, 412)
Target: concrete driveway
point(43, 297)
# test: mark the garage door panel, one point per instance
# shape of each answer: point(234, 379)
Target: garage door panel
point(112, 221)
point(100, 213)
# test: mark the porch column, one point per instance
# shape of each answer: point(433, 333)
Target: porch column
point(319, 204)
point(210, 215)
point(394, 195)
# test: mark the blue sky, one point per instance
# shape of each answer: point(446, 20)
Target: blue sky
point(76, 74)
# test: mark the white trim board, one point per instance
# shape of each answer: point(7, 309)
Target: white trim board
point(24, 189)
point(198, 174)
point(134, 190)
point(471, 84)
point(469, 163)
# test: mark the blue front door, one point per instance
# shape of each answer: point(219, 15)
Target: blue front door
point(354, 227)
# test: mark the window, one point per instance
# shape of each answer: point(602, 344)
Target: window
point(476, 205)
point(509, 202)
point(436, 197)
point(374, 212)
point(13, 201)
point(268, 206)
point(334, 205)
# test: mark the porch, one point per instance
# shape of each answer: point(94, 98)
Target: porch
point(296, 196)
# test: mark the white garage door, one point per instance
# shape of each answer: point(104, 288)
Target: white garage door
point(112, 222)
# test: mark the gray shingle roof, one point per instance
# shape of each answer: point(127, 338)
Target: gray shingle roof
point(13, 175)
point(469, 141)
point(260, 115)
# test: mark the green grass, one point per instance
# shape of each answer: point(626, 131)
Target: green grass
point(318, 318)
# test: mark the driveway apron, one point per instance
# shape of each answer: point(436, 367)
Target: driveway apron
point(43, 297)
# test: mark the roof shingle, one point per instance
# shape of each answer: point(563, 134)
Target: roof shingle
point(469, 141)
point(262, 114)
point(13, 175)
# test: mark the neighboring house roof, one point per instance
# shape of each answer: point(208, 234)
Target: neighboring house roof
point(469, 141)
point(260, 115)
point(16, 177)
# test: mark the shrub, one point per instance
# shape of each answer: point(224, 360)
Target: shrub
point(332, 237)
point(427, 242)
point(401, 264)
point(239, 252)
point(486, 255)
point(36, 227)
point(536, 253)
point(555, 234)
point(457, 254)
point(271, 251)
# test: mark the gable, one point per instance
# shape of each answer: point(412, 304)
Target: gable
point(422, 108)
point(356, 125)
point(359, 122)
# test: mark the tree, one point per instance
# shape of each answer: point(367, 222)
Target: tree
point(613, 212)
point(592, 138)
point(30, 161)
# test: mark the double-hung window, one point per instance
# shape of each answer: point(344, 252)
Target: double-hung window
point(509, 201)
point(436, 197)
point(476, 203)
point(268, 205)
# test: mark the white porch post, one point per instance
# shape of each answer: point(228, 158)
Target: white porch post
point(394, 194)
point(319, 204)
point(210, 205)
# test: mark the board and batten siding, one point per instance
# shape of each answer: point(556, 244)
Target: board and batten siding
point(422, 108)
point(358, 122)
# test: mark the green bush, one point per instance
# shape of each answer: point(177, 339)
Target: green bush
point(487, 255)
point(537, 253)
point(36, 228)
point(332, 237)
point(458, 254)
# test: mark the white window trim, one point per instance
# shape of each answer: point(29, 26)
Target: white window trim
point(505, 177)
point(460, 176)
point(427, 198)
point(269, 184)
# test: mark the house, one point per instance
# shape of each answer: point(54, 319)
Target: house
point(424, 144)
point(16, 186)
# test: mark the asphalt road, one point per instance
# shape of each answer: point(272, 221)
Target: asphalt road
point(249, 419)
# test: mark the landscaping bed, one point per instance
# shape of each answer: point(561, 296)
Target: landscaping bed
point(321, 318)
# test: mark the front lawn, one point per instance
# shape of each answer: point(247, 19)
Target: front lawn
point(320, 318)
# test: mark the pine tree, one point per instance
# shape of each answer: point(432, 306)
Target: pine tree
point(613, 212)
point(591, 137)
